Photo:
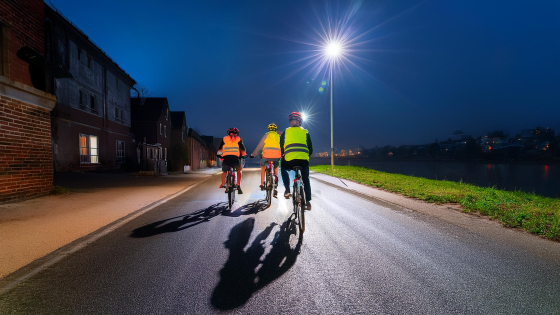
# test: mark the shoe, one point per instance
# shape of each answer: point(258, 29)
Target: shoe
point(275, 194)
point(262, 187)
point(239, 191)
point(308, 205)
point(287, 195)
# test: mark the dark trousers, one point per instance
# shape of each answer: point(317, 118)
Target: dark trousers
point(285, 166)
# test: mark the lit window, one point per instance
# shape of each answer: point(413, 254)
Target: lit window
point(120, 152)
point(89, 149)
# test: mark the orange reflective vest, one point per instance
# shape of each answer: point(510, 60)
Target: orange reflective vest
point(271, 148)
point(231, 146)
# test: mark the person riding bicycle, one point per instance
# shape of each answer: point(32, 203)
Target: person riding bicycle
point(269, 150)
point(296, 147)
point(232, 149)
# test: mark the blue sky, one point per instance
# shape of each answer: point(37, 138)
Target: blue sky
point(427, 68)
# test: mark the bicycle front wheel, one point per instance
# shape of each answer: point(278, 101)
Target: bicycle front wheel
point(268, 187)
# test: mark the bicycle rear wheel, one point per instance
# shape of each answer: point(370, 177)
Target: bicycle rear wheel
point(268, 187)
point(302, 210)
point(231, 191)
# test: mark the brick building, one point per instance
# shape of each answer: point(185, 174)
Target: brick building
point(91, 125)
point(200, 152)
point(25, 141)
point(151, 124)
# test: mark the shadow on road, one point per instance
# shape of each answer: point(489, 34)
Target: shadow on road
point(250, 208)
point(180, 222)
point(241, 275)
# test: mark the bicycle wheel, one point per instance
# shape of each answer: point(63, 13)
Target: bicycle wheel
point(301, 213)
point(231, 191)
point(268, 187)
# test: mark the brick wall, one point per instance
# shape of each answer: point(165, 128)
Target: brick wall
point(25, 20)
point(25, 150)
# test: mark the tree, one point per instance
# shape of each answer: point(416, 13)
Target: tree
point(141, 91)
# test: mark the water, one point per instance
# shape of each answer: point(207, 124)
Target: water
point(541, 179)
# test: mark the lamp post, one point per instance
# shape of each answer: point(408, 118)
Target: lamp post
point(333, 50)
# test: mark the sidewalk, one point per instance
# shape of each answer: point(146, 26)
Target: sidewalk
point(34, 228)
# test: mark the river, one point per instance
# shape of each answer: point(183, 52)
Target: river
point(541, 179)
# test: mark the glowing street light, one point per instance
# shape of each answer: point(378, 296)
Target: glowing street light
point(333, 50)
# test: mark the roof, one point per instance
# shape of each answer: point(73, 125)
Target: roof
point(196, 136)
point(148, 109)
point(177, 120)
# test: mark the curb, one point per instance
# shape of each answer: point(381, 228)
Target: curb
point(29, 270)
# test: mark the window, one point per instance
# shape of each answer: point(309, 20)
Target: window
point(165, 131)
point(160, 129)
point(120, 152)
point(81, 97)
point(117, 83)
point(167, 114)
point(79, 53)
point(89, 61)
point(88, 149)
point(4, 44)
point(92, 103)
point(183, 136)
point(122, 116)
point(165, 153)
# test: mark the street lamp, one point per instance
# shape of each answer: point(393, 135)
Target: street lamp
point(332, 50)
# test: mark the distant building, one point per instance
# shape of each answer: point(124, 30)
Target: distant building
point(151, 124)
point(178, 156)
point(91, 124)
point(199, 151)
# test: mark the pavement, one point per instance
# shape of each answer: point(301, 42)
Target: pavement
point(33, 228)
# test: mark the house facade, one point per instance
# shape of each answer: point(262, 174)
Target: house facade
point(151, 125)
point(25, 106)
point(91, 125)
point(198, 150)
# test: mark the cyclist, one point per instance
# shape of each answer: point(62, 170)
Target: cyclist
point(232, 149)
point(270, 147)
point(296, 147)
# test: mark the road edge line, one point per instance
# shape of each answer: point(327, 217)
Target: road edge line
point(36, 266)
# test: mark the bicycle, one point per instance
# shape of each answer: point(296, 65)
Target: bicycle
point(231, 184)
point(298, 199)
point(270, 182)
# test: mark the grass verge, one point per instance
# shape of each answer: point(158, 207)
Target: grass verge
point(57, 190)
point(535, 214)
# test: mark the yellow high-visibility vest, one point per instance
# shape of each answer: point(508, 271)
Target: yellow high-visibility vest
point(295, 144)
point(271, 148)
point(231, 146)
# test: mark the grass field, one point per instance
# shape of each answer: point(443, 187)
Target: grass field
point(535, 214)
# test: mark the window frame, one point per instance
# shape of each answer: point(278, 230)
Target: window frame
point(92, 154)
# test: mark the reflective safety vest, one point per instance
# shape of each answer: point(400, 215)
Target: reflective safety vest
point(271, 148)
point(295, 144)
point(231, 146)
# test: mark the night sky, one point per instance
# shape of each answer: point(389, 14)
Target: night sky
point(424, 69)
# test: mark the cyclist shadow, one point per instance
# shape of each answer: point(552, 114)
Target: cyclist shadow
point(250, 208)
point(179, 223)
point(244, 273)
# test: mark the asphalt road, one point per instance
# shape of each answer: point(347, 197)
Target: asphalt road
point(191, 256)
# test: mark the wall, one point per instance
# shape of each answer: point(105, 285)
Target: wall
point(25, 150)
